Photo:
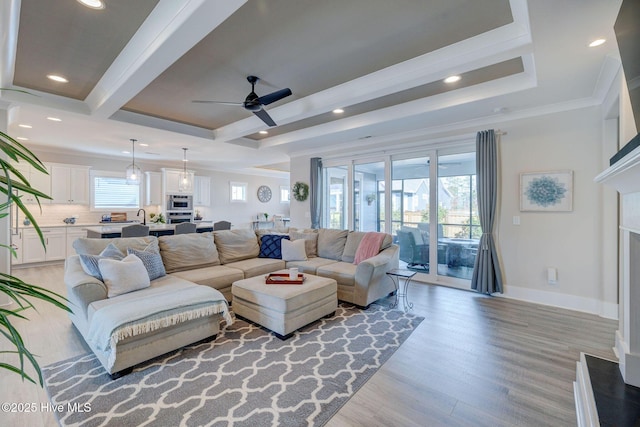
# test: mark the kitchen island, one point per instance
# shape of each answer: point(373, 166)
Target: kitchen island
point(114, 230)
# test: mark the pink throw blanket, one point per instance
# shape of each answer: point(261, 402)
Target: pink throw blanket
point(369, 246)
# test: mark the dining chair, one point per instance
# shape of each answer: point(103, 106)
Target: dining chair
point(221, 225)
point(136, 230)
point(186, 228)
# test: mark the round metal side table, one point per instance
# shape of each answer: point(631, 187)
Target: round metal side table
point(401, 292)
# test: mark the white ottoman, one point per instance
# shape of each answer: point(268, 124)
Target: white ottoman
point(284, 308)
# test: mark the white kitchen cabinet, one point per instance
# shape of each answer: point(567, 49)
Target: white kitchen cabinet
point(171, 182)
point(74, 233)
point(202, 191)
point(154, 188)
point(37, 179)
point(69, 184)
point(55, 240)
point(16, 244)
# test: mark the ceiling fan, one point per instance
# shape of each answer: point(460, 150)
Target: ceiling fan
point(255, 103)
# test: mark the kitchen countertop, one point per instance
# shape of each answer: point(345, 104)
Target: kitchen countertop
point(116, 226)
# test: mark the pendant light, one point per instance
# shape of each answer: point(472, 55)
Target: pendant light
point(133, 173)
point(185, 179)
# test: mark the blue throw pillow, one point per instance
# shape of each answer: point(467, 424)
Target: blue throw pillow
point(152, 262)
point(90, 262)
point(271, 247)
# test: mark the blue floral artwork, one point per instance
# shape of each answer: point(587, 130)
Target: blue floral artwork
point(546, 191)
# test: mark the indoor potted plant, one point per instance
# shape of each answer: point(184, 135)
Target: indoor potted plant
point(19, 292)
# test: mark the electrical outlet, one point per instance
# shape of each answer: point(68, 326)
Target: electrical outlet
point(516, 220)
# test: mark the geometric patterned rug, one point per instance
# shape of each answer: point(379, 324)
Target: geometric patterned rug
point(246, 377)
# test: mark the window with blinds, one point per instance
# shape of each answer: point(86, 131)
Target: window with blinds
point(113, 192)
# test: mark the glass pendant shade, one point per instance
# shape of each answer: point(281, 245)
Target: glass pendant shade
point(133, 172)
point(184, 183)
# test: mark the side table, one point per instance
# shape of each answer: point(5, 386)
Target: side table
point(396, 274)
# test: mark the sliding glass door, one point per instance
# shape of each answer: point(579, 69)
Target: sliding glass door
point(458, 223)
point(367, 212)
point(335, 197)
point(410, 203)
point(425, 200)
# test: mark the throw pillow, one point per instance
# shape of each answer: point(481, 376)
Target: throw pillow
point(123, 276)
point(270, 246)
point(293, 250)
point(310, 241)
point(89, 263)
point(152, 262)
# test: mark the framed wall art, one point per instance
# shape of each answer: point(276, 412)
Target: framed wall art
point(546, 191)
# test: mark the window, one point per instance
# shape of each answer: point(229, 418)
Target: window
point(284, 194)
point(238, 191)
point(109, 190)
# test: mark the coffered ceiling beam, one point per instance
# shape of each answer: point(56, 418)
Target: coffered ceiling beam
point(171, 29)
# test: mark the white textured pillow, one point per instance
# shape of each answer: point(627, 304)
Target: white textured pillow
point(293, 250)
point(123, 276)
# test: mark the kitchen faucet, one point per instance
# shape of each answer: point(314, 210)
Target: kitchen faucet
point(144, 216)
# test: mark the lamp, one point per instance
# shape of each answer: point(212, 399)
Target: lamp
point(133, 173)
point(185, 181)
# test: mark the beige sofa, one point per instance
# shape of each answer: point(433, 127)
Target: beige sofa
point(216, 260)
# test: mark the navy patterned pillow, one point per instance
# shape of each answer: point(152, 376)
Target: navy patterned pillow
point(270, 246)
point(152, 262)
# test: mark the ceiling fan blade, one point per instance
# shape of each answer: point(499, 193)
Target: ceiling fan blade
point(265, 117)
point(274, 96)
point(198, 101)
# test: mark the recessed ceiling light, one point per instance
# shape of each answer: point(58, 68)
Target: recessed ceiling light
point(93, 4)
point(22, 138)
point(597, 42)
point(126, 152)
point(338, 111)
point(54, 119)
point(143, 144)
point(452, 79)
point(57, 78)
point(25, 126)
point(263, 132)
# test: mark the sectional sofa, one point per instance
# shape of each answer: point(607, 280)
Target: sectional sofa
point(207, 264)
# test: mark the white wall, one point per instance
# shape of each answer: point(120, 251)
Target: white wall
point(568, 241)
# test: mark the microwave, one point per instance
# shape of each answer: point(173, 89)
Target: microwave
point(179, 202)
point(178, 217)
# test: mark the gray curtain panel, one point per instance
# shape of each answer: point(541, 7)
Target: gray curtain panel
point(315, 191)
point(487, 275)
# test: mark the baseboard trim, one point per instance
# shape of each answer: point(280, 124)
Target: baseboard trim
point(572, 302)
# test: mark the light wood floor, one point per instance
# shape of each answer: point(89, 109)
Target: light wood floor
point(473, 361)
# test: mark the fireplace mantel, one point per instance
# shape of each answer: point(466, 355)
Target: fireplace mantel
point(624, 175)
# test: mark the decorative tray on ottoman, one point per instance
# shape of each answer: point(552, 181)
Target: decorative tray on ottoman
point(283, 279)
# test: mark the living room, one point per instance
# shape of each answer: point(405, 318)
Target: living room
point(559, 107)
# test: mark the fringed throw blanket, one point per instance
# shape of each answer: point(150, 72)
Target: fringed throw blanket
point(117, 322)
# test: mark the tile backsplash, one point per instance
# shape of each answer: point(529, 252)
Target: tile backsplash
point(55, 214)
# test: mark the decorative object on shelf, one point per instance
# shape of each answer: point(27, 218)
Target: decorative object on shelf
point(370, 198)
point(26, 221)
point(133, 172)
point(266, 216)
point(157, 218)
point(300, 191)
point(546, 191)
point(264, 193)
point(184, 183)
point(197, 216)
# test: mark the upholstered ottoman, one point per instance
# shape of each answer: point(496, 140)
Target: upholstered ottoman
point(284, 308)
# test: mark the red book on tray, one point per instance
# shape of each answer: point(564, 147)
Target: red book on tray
point(283, 279)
